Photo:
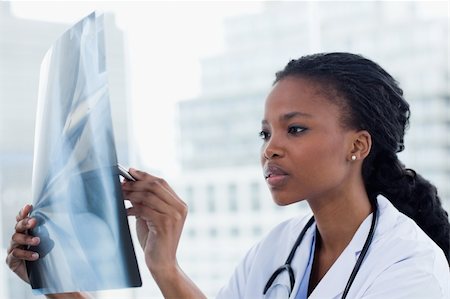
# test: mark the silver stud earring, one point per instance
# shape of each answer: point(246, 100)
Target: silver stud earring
point(353, 157)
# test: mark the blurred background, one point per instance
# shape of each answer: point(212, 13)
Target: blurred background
point(187, 86)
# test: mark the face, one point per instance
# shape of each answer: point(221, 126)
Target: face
point(305, 147)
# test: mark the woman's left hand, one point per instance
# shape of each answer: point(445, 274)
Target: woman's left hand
point(160, 216)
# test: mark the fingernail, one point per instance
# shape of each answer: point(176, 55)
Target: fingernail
point(35, 240)
point(35, 255)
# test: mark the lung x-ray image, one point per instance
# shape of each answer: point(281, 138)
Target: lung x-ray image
point(85, 238)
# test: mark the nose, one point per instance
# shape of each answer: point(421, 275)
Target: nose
point(272, 149)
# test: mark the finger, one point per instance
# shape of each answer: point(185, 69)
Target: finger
point(146, 213)
point(25, 224)
point(21, 240)
point(144, 176)
point(149, 214)
point(22, 254)
point(24, 212)
point(149, 200)
point(155, 186)
point(139, 175)
point(158, 186)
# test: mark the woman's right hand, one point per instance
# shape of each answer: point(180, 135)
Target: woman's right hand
point(17, 253)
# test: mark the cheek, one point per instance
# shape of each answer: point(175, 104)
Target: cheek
point(323, 163)
point(332, 162)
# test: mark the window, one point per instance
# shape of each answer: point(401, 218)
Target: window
point(234, 231)
point(213, 232)
point(190, 199)
point(192, 233)
point(257, 230)
point(232, 198)
point(210, 198)
point(255, 196)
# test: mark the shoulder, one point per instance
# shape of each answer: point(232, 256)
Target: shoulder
point(251, 275)
point(402, 253)
point(402, 235)
point(284, 235)
point(289, 226)
point(279, 239)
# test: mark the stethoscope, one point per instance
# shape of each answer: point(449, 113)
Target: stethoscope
point(287, 265)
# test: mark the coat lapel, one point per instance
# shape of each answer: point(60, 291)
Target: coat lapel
point(300, 261)
point(281, 286)
point(335, 280)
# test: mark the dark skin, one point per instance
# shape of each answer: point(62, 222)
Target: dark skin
point(17, 255)
point(310, 152)
point(304, 136)
point(160, 218)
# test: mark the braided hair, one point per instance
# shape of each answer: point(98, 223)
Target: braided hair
point(371, 100)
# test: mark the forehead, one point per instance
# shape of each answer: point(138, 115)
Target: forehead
point(293, 94)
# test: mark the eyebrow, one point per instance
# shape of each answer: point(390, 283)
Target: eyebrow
point(289, 116)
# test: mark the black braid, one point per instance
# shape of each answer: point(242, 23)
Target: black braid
point(372, 100)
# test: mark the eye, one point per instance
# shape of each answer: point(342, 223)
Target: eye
point(295, 130)
point(264, 135)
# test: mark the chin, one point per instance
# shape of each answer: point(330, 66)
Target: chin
point(285, 200)
point(282, 203)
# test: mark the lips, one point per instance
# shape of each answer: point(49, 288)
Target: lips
point(275, 175)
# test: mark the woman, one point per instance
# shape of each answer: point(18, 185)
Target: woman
point(332, 126)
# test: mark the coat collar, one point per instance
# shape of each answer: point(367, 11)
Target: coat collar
point(300, 261)
point(334, 281)
point(340, 272)
point(281, 285)
point(342, 268)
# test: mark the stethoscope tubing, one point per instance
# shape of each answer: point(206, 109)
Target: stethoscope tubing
point(364, 250)
point(287, 265)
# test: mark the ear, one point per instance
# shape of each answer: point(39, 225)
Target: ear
point(361, 145)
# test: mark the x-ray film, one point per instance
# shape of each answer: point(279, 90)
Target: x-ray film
point(85, 238)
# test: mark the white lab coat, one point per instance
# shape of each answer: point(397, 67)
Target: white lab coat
point(402, 262)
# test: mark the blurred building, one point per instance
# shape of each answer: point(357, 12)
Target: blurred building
point(230, 207)
point(23, 44)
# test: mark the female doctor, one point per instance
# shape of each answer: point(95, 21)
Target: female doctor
point(331, 131)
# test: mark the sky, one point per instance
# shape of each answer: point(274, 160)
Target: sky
point(164, 42)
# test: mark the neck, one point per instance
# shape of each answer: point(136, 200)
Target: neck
point(338, 218)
